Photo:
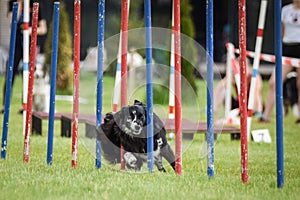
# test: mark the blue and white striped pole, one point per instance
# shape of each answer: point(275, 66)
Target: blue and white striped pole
point(9, 75)
point(101, 18)
point(147, 8)
point(56, 12)
point(210, 88)
point(279, 101)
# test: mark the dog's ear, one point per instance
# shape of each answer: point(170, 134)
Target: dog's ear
point(138, 103)
point(121, 115)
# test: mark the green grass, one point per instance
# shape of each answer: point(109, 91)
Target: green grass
point(37, 180)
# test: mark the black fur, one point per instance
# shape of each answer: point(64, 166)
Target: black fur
point(290, 92)
point(128, 128)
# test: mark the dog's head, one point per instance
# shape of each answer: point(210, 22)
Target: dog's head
point(132, 119)
point(40, 73)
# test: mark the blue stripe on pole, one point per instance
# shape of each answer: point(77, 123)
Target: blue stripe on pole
point(210, 89)
point(54, 56)
point(147, 8)
point(118, 66)
point(254, 73)
point(26, 66)
point(171, 69)
point(279, 96)
point(101, 17)
point(9, 75)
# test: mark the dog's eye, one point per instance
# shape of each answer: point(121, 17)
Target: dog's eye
point(132, 116)
point(142, 118)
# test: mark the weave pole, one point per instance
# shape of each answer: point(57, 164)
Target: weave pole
point(149, 89)
point(55, 33)
point(9, 75)
point(178, 114)
point(100, 63)
point(35, 15)
point(172, 81)
point(210, 88)
point(124, 48)
point(258, 45)
point(243, 94)
point(76, 81)
point(279, 101)
point(229, 59)
point(26, 19)
point(117, 87)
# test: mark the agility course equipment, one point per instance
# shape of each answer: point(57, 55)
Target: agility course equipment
point(295, 62)
point(149, 82)
point(210, 89)
point(172, 81)
point(279, 99)
point(243, 94)
point(77, 6)
point(124, 46)
point(178, 114)
point(9, 75)
point(35, 16)
point(101, 18)
point(55, 33)
point(26, 19)
point(258, 45)
point(117, 88)
point(229, 60)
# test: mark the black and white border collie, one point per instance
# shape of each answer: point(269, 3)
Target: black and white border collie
point(128, 127)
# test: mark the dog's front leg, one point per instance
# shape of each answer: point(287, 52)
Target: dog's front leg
point(158, 162)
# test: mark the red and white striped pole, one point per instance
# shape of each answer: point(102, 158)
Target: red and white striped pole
point(77, 6)
point(35, 15)
point(124, 49)
point(26, 11)
point(243, 94)
point(117, 88)
point(258, 45)
point(295, 62)
point(172, 82)
point(237, 76)
point(229, 65)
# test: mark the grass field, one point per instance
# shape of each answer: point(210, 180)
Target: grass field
point(37, 180)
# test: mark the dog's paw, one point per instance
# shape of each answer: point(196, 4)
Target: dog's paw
point(108, 117)
point(130, 160)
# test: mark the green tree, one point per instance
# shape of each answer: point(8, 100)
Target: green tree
point(64, 76)
point(190, 51)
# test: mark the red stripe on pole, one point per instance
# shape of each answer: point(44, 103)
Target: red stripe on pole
point(124, 29)
point(76, 81)
point(249, 113)
point(171, 109)
point(288, 62)
point(243, 95)
point(24, 106)
point(178, 117)
point(35, 15)
point(273, 59)
point(260, 32)
point(115, 107)
point(25, 25)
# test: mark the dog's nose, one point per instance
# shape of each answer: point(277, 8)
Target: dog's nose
point(137, 127)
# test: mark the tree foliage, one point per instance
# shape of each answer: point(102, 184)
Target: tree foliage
point(188, 50)
point(64, 76)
